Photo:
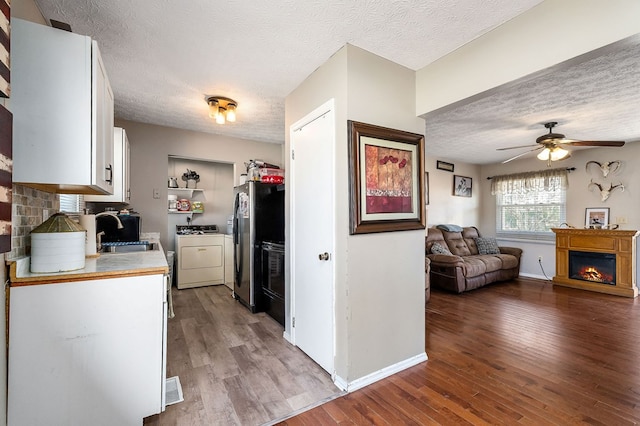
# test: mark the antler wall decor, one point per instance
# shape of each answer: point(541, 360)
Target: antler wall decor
point(605, 168)
point(605, 192)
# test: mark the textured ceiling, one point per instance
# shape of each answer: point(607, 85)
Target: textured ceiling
point(595, 97)
point(164, 56)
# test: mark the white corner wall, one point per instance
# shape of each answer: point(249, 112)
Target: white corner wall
point(379, 284)
point(385, 270)
point(547, 34)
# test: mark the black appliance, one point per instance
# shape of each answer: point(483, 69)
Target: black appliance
point(258, 216)
point(273, 280)
point(196, 229)
point(130, 230)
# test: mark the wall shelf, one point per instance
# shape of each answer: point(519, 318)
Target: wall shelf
point(179, 191)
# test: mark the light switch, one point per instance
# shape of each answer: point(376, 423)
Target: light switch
point(156, 193)
point(621, 220)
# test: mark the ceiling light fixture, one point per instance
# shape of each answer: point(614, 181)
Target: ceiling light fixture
point(222, 109)
point(553, 154)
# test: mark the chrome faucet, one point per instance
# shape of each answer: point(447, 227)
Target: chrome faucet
point(101, 233)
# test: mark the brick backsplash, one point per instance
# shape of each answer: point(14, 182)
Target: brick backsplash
point(27, 208)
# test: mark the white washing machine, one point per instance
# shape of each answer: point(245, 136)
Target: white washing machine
point(199, 256)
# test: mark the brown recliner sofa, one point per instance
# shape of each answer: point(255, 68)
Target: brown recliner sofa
point(465, 269)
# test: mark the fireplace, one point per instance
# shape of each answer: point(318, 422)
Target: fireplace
point(593, 267)
point(602, 260)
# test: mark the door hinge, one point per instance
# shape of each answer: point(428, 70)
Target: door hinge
point(293, 154)
point(293, 322)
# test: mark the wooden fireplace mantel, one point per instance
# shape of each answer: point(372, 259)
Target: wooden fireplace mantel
point(622, 243)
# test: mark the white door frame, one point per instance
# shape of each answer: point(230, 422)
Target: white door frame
point(312, 116)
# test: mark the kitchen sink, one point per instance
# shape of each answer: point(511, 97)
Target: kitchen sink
point(129, 248)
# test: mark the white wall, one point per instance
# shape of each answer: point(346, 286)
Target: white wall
point(579, 197)
point(547, 34)
point(379, 277)
point(386, 270)
point(443, 206)
point(151, 147)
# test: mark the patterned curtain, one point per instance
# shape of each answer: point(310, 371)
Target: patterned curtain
point(523, 183)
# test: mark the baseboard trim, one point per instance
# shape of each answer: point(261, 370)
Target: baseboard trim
point(380, 374)
point(540, 277)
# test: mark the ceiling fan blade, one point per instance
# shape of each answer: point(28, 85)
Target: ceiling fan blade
point(524, 153)
point(595, 143)
point(514, 147)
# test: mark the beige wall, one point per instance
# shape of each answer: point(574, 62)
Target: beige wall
point(579, 197)
point(547, 34)
point(151, 147)
point(379, 284)
point(443, 206)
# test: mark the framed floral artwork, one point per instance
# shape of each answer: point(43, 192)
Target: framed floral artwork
point(386, 171)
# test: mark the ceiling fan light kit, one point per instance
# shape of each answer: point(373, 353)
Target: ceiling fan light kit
point(551, 145)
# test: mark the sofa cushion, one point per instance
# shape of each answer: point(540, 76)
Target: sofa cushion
point(509, 261)
point(473, 266)
point(491, 262)
point(487, 246)
point(437, 248)
point(457, 244)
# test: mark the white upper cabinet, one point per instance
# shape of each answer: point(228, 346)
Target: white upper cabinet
point(121, 171)
point(62, 106)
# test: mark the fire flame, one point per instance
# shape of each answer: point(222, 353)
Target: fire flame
point(590, 273)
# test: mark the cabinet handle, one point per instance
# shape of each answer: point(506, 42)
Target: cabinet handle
point(202, 249)
point(110, 180)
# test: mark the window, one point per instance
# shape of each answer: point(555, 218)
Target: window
point(528, 205)
point(71, 203)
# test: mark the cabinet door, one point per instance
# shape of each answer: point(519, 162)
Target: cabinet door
point(63, 111)
point(121, 171)
point(86, 352)
point(102, 115)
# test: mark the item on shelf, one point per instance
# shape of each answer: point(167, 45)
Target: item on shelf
point(184, 205)
point(272, 179)
point(197, 207)
point(191, 177)
point(173, 203)
point(173, 182)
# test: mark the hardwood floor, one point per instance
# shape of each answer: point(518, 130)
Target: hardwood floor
point(235, 367)
point(522, 352)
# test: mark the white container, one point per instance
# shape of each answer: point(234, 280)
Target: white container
point(88, 222)
point(57, 245)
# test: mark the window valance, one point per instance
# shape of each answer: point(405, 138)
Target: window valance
point(527, 182)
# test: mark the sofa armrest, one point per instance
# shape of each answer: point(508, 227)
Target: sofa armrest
point(515, 251)
point(446, 259)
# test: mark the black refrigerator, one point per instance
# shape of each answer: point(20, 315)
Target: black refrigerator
point(258, 224)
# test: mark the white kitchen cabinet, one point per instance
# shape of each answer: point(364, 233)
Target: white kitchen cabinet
point(62, 106)
point(87, 352)
point(200, 260)
point(121, 171)
point(229, 266)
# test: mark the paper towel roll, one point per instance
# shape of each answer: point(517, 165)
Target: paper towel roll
point(88, 222)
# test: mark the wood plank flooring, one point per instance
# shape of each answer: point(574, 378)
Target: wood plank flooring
point(522, 352)
point(235, 367)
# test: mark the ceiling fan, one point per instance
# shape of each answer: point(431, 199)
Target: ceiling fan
point(551, 144)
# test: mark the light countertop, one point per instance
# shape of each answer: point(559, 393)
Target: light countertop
point(111, 265)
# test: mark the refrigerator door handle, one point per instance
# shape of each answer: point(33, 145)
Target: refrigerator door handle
point(237, 242)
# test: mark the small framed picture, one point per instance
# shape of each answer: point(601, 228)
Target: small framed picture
point(441, 165)
point(462, 186)
point(596, 217)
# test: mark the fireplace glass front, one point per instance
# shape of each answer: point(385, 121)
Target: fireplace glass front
point(592, 267)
